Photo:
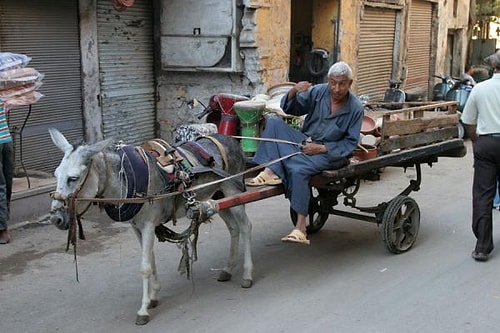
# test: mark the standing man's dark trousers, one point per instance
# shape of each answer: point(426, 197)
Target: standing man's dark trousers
point(486, 166)
point(6, 175)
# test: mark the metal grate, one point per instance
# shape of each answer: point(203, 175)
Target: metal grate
point(376, 52)
point(419, 49)
point(126, 61)
point(49, 34)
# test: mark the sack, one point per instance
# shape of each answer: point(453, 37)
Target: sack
point(18, 77)
point(193, 131)
point(19, 90)
point(10, 60)
point(29, 98)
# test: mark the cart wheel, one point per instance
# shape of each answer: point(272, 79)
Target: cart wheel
point(400, 224)
point(317, 218)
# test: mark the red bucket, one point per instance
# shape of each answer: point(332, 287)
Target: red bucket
point(229, 121)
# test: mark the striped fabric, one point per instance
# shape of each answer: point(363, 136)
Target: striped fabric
point(4, 127)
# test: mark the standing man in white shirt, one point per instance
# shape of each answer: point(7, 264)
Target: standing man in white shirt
point(481, 117)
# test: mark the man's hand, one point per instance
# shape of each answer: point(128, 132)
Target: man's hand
point(312, 148)
point(302, 86)
point(471, 132)
point(299, 87)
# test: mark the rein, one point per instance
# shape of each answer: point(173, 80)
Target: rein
point(74, 219)
point(163, 233)
point(269, 140)
point(75, 216)
point(155, 197)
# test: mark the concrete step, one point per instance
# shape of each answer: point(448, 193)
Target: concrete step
point(30, 198)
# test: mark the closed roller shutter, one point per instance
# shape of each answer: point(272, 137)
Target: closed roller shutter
point(125, 44)
point(419, 49)
point(376, 52)
point(49, 34)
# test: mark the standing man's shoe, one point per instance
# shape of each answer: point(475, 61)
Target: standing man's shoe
point(4, 236)
point(480, 256)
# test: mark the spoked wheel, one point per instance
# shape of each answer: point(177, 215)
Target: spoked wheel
point(317, 217)
point(400, 224)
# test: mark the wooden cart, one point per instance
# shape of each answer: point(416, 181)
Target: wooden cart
point(412, 134)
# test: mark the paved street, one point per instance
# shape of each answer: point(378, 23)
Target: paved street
point(346, 281)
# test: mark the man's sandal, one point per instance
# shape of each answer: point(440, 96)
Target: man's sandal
point(263, 179)
point(296, 236)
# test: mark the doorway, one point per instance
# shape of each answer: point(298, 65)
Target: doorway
point(301, 43)
point(314, 42)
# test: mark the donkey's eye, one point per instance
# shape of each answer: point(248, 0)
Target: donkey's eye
point(72, 179)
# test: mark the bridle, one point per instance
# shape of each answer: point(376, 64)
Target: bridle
point(69, 204)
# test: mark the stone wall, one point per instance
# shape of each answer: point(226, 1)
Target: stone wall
point(264, 46)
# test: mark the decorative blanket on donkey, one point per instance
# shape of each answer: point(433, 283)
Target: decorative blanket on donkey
point(136, 177)
point(136, 174)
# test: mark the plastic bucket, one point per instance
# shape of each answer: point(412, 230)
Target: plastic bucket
point(249, 113)
point(228, 124)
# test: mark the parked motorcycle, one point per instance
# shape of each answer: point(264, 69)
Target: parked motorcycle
point(394, 93)
point(440, 89)
point(459, 92)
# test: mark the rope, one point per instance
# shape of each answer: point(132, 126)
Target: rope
point(156, 197)
point(268, 140)
point(183, 239)
point(72, 230)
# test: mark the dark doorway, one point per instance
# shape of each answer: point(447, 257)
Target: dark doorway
point(300, 40)
point(314, 44)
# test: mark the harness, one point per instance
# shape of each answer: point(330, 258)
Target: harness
point(176, 168)
point(176, 165)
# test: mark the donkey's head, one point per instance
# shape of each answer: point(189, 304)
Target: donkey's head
point(72, 175)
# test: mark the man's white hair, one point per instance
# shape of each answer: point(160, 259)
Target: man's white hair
point(340, 69)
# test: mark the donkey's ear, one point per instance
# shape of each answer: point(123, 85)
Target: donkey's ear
point(59, 140)
point(92, 149)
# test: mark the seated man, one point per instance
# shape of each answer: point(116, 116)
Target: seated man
point(328, 136)
point(468, 75)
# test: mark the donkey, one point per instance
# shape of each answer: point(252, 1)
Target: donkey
point(96, 171)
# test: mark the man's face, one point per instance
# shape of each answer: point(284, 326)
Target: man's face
point(339, 86)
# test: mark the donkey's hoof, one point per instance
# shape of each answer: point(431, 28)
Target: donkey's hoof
point(246, 283)
point(153, 304)
point(141, 320)
point(224, 276)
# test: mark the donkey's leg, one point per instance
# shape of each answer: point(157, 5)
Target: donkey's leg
point(154, 284)
point(146, 238)
point(245, 227)
point(238, 224)
point(232, 226)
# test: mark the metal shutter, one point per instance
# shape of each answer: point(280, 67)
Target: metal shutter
point(419, 49)
point(376, 52)
point(125, 44)
point(47, 32)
